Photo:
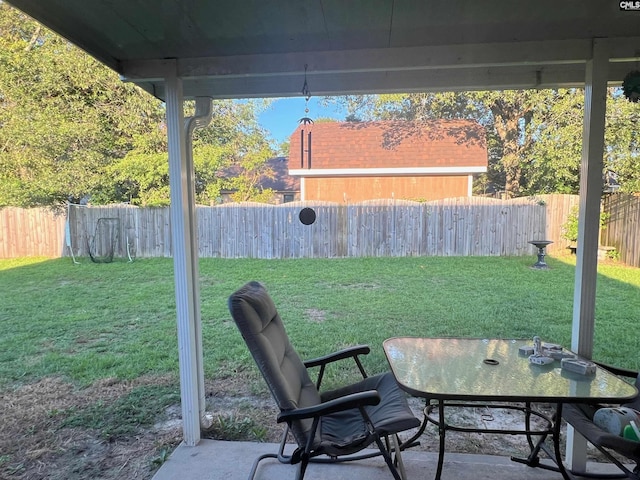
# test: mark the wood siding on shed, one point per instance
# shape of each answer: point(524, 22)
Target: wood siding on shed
point(356, 189)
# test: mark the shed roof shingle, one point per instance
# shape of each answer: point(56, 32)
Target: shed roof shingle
point(391, 144)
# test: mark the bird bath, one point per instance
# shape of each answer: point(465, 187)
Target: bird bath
point(540, 245)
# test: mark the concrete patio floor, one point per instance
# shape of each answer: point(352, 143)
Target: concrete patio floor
point(213, 459)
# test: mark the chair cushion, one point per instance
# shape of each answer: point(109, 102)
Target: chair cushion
point(261, 327)
point(346, 432)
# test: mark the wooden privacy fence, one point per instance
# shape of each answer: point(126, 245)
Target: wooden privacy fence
point(31, 232)
point(623, 226)
point(458, 226)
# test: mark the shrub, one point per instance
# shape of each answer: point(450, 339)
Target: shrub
point(570, 227)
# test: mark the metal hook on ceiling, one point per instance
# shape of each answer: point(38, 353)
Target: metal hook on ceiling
point(305, 87)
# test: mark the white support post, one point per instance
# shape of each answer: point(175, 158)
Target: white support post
point(183, 230)
point(584, 298)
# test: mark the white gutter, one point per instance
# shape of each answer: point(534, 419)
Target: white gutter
point(371, 172)
point(200, 119)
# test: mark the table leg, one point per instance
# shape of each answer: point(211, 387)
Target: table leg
point(533, 460)
point(442, 428)
point(556, 442)
point(557, 423)
point(527, 424)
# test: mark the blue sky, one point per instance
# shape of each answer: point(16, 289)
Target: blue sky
point(281, 118)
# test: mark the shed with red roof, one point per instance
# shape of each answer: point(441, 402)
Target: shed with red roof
point(354, 161)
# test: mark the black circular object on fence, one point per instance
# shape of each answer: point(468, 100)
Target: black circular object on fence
point(307, 216)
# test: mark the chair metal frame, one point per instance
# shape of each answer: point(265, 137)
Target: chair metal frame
point(389, 450)
point(593, 431)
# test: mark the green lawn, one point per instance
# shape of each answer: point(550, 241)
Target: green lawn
point(112, 327)
point(91, 321)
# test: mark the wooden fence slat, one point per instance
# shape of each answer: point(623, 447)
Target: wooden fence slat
point(623, 226)
point(31, 232)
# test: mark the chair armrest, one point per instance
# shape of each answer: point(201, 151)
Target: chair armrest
point(623, 372)
point(340, 355)
point(354, 400)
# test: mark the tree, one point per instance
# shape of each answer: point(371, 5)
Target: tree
point(499, 112)
point(231, 153)
point(253, 168)
point(622, 138)
point(63, 116)
point(556, 152)
point(235, 151)
point(534, 137)
point(71, 130)
point(284, 148)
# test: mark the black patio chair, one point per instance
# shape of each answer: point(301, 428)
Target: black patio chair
point(580, 416)
point(335, 424)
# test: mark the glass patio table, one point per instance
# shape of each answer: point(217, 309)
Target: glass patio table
point(460, 372)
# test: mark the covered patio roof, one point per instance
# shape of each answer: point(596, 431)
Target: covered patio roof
point(246, 48)
point(180, 49)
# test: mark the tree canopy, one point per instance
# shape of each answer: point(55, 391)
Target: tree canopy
point(229, 154)
point(70, 130)
point(534, 137)
point(63, 116)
